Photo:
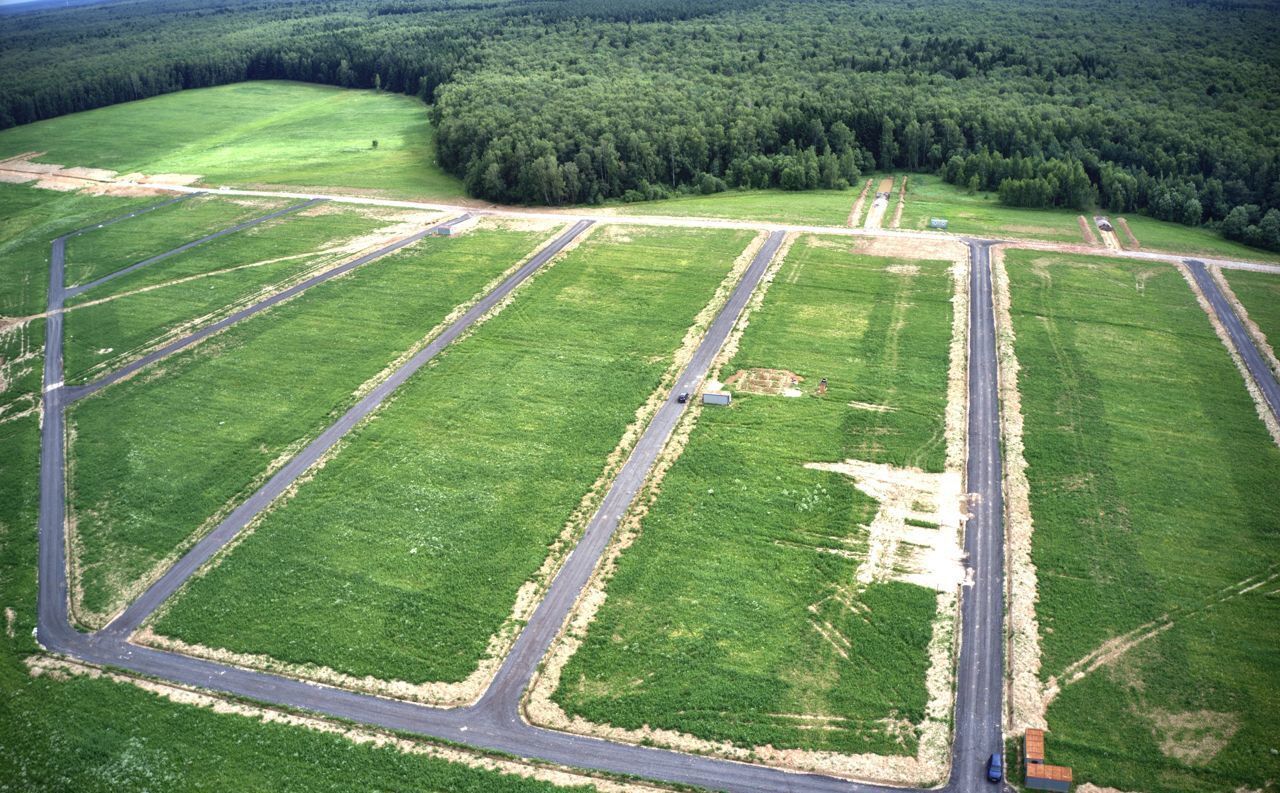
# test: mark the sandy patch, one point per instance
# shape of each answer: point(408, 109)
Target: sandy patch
point(1193, 737)
point(461, 693)
point(899, 550)
point(10, 617)
point(58, 669)
point(168, 178)
point(903, 269)
point(903, 247)
point(16, 177)
point(875, 215)
point(1086, 230)
point(768, 382)
point(856, 212)
point(1259, 401)
point(1027, 704)
point(1255, 332)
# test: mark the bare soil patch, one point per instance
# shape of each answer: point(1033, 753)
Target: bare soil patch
point(898, 550)
point(10, 617)
point(856, 212)
point(51, 176)
point(1133, 243)
point(1193, 737)
point(768, 382)
point(1086, 230)
point(902, 203)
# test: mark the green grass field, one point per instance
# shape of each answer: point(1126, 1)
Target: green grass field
point(98, 736)
point(106, 250)
point(102, 336)
point(257, 133)
point(981, 214)
point(816, 207)
point(1153, 490)
point(155, 457)
point(1259, 293)
point(1157, 235)
point(727, 648)
point(420, 531)
point(29, 220)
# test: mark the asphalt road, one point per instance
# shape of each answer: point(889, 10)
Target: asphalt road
point(1240, 338)
point(72, 291)
point(494, 722)
point(979, 713)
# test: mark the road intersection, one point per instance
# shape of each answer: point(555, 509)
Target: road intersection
point(494, 722)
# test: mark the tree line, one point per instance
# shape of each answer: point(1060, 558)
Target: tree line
point(584, 101)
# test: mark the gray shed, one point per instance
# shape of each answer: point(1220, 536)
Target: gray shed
point(937, 223)
point(716, 397)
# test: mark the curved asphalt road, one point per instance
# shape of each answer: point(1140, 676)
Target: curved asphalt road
point(494, 722)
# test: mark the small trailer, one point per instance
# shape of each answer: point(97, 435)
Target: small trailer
point(716, 398)
point(938, 223)
point(458, 226)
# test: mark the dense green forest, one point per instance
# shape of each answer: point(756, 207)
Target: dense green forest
point(1171, 108)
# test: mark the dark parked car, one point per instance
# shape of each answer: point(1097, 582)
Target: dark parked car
point(684, 397)
point(995, 768)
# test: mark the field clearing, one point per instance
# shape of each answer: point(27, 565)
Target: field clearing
point(423, 526)
point(1158, 235)
point(811, 207)
point(1155, 507)
point(106, 250)
point(270, 133)
point(155, 456)
point(769, 635)
point(107, 334)
point(982, 214)
point(29, 221)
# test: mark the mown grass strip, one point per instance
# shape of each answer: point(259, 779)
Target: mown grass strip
point(422, 528)
point(107, 250)
point(104, 335)
point(712, 621)
point(1153, 491)
point(155, 457)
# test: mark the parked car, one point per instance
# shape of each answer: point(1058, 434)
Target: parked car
point(684, 397)
point(995, 768)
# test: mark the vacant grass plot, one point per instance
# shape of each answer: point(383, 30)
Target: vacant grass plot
point(1157, 235)
point(29, 220)
point(741, 612)
point(404, 555)
point(268, 133)
point(106, 250)
point(1153, 490)
point(154, 457)
point(816, 207)
point(1259, 293)
point(982, 214)
point(204, 281)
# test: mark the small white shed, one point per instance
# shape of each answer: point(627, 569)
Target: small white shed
point(716, 397)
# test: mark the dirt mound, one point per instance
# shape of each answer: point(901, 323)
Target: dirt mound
point(769, 382)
